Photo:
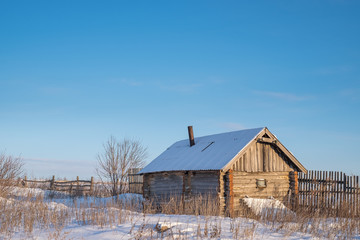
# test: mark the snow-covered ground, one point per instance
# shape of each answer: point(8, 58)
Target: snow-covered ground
point(131, 223)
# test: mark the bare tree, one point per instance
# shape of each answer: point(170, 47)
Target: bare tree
point(10, 169)
point(116, 160)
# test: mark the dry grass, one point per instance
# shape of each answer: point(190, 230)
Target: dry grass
point(197, 205)
point(33, 213)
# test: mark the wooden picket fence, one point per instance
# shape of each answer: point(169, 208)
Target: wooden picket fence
point(329, 190)
point(135, 181)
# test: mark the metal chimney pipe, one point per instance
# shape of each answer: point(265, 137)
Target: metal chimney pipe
point(191, 136)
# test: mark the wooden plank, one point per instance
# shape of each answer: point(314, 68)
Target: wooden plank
point(337, 191)
point(311, 198)
point(247, 163)
point(265, 158)
point(251, 159)
point(242, 168)
point(329, 190)
point(261, 156)
point(357, 197)
point(279, 161)
point(258, 158)
point(266, 140)
point(357, 205)
point(255, 157)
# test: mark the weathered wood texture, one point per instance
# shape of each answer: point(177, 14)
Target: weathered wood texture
point(294, 189)
point(328, 189)
point(244, 185)
point(185, 184)
point(73, 186)
point(222, 193)
point(229, 193)
point(205, 183)
point(164, 185)
point(262, 157)
point(135, 181)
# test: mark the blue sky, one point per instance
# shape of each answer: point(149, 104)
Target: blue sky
point(73, 73)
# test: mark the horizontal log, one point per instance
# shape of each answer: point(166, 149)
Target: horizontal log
point(204, 176)
point(215, 186)
point(242, 174)
point(77, 187)
point(73, 186)
point(67, 190)
point(37, 181)
point(246, 180)
point(268, 182)
point(166, 186)
point(72, 182)
point(204, 192)
point(261, 192)
point(260, 176)
point(264, 196)
point(268, 186)
point(205, 181)
point(204, 188)
point(253, 181)
point(167, 191)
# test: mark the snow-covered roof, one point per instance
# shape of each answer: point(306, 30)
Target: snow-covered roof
point(211, 152)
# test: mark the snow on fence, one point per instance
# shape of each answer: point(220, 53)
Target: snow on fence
point(329, 189)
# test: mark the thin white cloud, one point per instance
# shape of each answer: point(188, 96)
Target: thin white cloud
point(282, 95)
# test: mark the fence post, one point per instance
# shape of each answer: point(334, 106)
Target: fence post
point(294, 187)
point(77, 185)
point(52, 183)
point(92, 185)
point(25, 181)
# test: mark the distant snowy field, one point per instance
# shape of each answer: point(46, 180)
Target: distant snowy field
point(149, 226)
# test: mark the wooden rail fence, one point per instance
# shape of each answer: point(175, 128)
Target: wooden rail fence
point(73, 186)
point(330, 190)
point(134, 183)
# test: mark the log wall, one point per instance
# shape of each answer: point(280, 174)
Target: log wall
point(181, 184)
point(163, 185)
point(244, 184)
point(205, 183)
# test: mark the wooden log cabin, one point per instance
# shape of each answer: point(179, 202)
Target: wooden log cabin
point(228, 166)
